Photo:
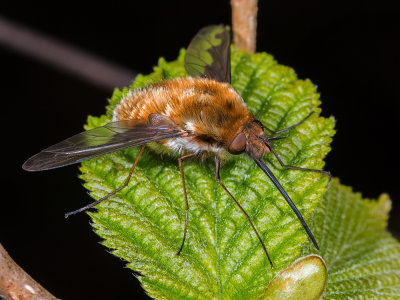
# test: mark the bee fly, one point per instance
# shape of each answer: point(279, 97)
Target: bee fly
point(199, 116)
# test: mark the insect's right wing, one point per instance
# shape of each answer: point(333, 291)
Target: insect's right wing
point(208, 54)
point(100, 141)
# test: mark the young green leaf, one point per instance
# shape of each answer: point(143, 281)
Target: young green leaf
point(222, 258)
point(306, 278)
point(363, 258)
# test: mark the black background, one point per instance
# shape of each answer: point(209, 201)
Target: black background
point(350, 49)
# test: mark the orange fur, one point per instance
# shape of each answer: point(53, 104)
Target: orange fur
point(212, 110)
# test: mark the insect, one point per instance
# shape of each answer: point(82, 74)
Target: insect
point(195, 117)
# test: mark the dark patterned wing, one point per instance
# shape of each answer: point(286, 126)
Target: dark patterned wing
point(100, 141)
point(209, 54)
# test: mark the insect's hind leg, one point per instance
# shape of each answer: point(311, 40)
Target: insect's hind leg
point(126, 182)
point(180, 160)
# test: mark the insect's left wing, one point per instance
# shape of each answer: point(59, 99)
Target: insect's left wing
point(208, 54)
point(100, 141)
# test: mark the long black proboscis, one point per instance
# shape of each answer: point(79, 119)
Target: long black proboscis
point(275, 181)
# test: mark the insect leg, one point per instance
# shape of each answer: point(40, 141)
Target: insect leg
point(186, 201)
point(290, 127)
point(113, 192)
point(217, 177)
point(299, 168)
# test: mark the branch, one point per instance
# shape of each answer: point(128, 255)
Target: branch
point(244, 24)
point(15, 283)
point(63, 56)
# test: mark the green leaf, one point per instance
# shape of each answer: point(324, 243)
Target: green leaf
point(363, 258)
point(222, 258)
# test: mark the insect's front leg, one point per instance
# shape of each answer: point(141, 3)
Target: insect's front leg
point(217, 178)
point(288, 128)
point(327, 173)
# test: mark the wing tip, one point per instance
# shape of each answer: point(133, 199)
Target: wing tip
point(29, 165)
point(38, 162)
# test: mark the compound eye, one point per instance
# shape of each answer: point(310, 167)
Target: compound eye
point(238, 144)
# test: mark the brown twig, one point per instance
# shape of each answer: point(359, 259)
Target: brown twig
point(244, 24)
point(15, 283)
